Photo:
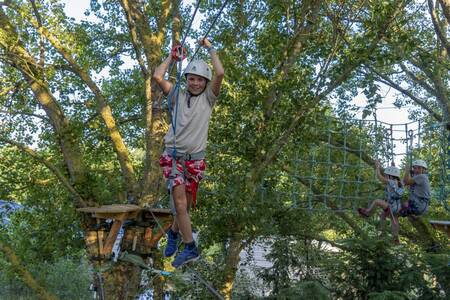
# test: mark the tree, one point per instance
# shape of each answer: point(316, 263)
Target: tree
point(48, 69)
point(99, 136)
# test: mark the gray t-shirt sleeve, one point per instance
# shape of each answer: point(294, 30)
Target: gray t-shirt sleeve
point(212, 99)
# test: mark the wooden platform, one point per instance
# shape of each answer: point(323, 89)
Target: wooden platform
point(119, 211)
point(441, 225)
point(145, 226)
point(114, 208)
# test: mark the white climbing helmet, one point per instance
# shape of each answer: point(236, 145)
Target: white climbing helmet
point(200, 68)
point(393, 171)
point(420, 163)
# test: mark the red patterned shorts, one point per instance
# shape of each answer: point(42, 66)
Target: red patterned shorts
point(189, 175)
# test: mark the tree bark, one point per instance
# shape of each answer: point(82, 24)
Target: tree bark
point(150, 44)
point(121, 281)
point(232, 260)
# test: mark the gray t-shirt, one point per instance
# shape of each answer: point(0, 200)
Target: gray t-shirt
point(421, 186)
point(191, 121)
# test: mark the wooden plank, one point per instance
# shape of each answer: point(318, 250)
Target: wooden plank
point(100, 241)
point(116, 216)
point(162, 214)
point(439, 222)
point(111, 209)
point(158, 210)
point(441, 225)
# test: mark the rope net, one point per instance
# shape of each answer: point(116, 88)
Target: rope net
point(335, 168)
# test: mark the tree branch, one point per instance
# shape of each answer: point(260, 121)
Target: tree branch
point(26, 276)
point(309, 12)
point(413, 76)
point(102, 107)
point(441, 92)
point(338, 37)
point(78, 200)
point(134, 36)
point(422, 103)
point(445, 4)
point(43, 118)
point(437, 27)
point(41, 40)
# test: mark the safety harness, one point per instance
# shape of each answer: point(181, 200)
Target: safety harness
point(182, 158)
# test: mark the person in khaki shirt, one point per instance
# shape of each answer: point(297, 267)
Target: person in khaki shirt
point(186, 141)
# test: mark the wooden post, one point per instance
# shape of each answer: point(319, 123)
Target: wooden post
point(111, 238)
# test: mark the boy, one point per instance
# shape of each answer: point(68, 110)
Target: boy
point(192, 116)
point(419, 187)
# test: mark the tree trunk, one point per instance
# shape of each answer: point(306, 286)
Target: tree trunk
point(158, 282)
point(121, 281)
point(231, 265)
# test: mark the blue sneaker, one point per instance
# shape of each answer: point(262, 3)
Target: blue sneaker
point(187, 255)
point(172, 243)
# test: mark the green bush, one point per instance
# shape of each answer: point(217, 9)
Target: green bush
point(388, 295)
point(311, 290)
point(375, 267)
point(67, 279)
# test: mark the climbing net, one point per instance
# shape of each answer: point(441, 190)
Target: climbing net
point(334, 168)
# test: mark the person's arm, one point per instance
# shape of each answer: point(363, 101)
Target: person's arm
point(380, 177)
point(158, 75)
point(407, 179)
point(219, 72)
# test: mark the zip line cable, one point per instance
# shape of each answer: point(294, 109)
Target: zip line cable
point(190, 23)
point(210, 27)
